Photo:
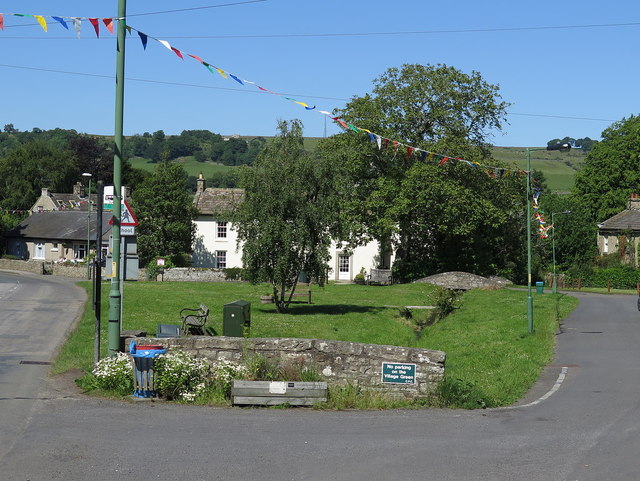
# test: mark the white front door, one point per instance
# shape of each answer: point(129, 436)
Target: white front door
point(38, 252)
point(344, 269)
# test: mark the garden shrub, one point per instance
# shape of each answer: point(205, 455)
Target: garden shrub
point(113, 374)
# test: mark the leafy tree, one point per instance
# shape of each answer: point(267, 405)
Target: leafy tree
point(92, 155)
point(289, 216)
point(28, 168)
point(165, 211)
point(611, 170)
point(444, 217)
point(574, 230)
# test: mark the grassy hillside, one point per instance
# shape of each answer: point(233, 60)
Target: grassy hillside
point(559, 168)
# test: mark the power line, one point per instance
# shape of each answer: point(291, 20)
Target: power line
point(352, 34)
point(194, 8)
point(159, 12)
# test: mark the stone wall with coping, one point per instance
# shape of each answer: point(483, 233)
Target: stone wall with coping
point(35, 267)
point(191, 274)
point(339, 362)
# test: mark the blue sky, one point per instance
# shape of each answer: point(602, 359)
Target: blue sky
point(555, 78)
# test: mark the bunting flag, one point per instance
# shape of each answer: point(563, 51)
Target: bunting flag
point(96, 26)
point(1, 22)
point(108, 22)
point(41, 21)
point(143, 39)
point(61, 21)
point(77, 25)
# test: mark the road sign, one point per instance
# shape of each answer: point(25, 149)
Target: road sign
point(127, 230)
point(127, 217)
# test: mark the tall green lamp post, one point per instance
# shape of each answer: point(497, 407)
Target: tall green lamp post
point(87, 174)
point(553, 247)
point(562, 147)
point(115, 295)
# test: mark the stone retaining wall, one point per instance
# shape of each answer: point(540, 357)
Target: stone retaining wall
point(339, 362)
point(36, 267)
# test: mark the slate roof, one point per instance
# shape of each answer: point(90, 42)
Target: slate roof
point(626, 220)
point(73, 201)
point(59, 225)
point(216, 201)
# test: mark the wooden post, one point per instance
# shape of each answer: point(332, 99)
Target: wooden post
point(579, 283)
point(608, 285)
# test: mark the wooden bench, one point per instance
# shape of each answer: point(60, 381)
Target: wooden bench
point(380, 277)
point(268, 393)
point(306, 293)
point(194, 319)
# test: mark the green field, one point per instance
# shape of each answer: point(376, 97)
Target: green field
point(488, 348)
point(559, 168)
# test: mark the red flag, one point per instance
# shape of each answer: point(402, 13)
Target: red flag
point(96, 26)
point(409, 151)
point(385, 143)
point(177, 52)
point(395, 144)
point(443, 161)
point(196, 57)
point(1, 22)
point(108, 22)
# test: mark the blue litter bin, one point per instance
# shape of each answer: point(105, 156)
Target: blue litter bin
point(540, 287)
point(144, 375)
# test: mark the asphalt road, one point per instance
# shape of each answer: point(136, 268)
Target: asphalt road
point(584, 428)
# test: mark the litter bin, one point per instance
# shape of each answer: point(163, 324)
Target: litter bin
point(236, 319)
point(144, 375)
point(540, 287)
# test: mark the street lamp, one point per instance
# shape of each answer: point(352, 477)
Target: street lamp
point(562, 147)
point(553, 244)
point(87, 174)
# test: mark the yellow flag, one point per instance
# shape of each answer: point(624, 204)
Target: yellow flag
point(221, 72)
point(41, 21)
point(301, 103)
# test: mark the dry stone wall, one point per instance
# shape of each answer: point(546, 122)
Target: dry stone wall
point(338, 362)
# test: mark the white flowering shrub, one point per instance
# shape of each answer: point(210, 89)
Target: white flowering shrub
point(181, 376)
point(114, 373)
point(224, 372)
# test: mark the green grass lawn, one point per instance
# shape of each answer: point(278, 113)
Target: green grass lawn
point(486, 339)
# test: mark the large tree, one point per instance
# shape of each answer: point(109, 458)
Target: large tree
point(440, 217)
point(611, 170)
point(289, 216)
point(26, 169)
point(165, 211)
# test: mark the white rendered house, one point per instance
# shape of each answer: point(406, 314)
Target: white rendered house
point(216, 243)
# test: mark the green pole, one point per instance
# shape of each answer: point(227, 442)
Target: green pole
point(529, 297)
point(553, 248)
point(88, 229)
point(115, 297)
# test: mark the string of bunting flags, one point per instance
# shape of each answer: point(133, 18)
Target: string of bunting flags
point(64, 21)
point(380, 141)
point(538, 214)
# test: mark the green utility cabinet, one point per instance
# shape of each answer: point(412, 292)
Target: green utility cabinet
point(236, 320)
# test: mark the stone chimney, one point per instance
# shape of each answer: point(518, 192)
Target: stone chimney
point(634, 202)
point(200, 183)
point(45, 192)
